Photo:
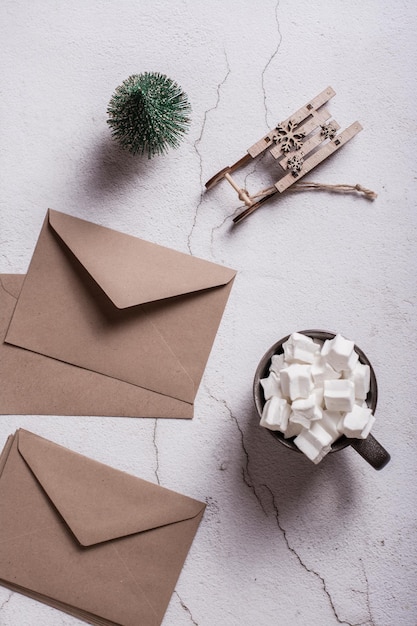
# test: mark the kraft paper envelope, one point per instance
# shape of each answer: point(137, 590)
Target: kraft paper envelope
point(37, 385)
point(95, 542)
point(118, 307)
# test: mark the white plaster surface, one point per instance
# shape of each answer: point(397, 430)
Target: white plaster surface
point(283, 542)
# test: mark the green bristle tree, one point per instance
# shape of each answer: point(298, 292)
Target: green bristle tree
point(148, 113)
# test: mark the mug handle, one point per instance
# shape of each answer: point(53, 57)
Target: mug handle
point(372, 451)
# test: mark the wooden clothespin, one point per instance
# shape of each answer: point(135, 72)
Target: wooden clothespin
point(298, 144)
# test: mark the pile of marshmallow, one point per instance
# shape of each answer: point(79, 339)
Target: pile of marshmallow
point(316, 392)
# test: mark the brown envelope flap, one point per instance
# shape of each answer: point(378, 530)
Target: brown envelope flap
point(96, 501)
point(12, 283)
point(133, 271)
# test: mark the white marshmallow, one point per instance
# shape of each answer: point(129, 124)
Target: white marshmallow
point(358, 422)
point(271, 386)
point(305, 411)
point(339, 353)
point(361, 378)
point(275, 414)
point(320, 434)
point(319, 396)
point(314, 442)
point(321, 370)
point(339, 395)
point(292, 429)
point(354, 359)
point(296, 381)
point(360, 402)
point(300, 349)
point(277, 363)
point(331, 421)
point(310, 449)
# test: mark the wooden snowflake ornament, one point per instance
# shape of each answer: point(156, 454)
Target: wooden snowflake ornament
point(298, 144)
point(288, 137)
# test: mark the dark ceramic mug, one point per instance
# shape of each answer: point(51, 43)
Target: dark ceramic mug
point(370, 449)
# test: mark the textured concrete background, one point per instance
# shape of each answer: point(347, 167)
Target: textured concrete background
point(283, 543)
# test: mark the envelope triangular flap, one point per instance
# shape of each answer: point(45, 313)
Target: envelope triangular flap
point(98, 502)
point(132, 271)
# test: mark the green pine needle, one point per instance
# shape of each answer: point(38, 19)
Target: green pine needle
point(148, 113)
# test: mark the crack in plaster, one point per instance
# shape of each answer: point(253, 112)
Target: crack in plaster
point(246, 474)
point(197, 150)
point(305, 567)
point(216, 228)
point(220, 226)
point(367, 597)
point(155, 445)
point(6, 601)
point(249, 482)
point(252, 173)
point(254, 169)
point(186, 609)
point(271, 58)
point(256, 166)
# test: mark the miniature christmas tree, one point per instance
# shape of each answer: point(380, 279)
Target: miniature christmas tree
point(148, 113)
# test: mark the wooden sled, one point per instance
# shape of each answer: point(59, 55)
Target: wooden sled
point(298, 144)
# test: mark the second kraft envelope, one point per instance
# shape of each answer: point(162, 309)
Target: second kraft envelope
point(88, 539)
point(126, 311)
